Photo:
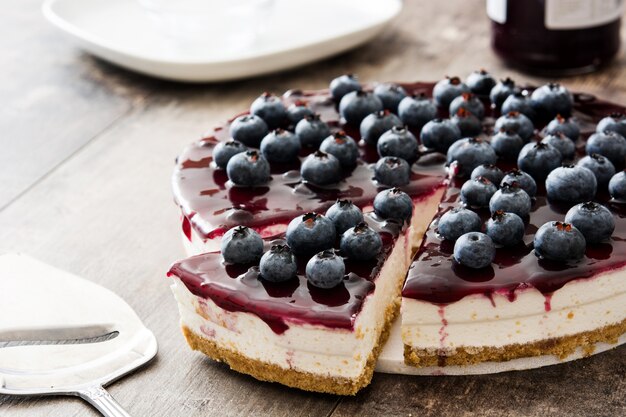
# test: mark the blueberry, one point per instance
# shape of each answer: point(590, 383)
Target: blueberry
point(522, 179)
point(559, 241)
point(470, 103)
point(474, 250)
point(594, 221)
point(310, 233)
point(325, 270)
point(501, 92)
point(280, 146)
point(610, 144)
point(571, 184)
point(344, 215)
point(390, 95)
point(468, 124)
point(297, 111)
point(477, 192)
point(440, 134)
point(456, 222)
point(321, 168)
point(516, 122)
point(398, 142)
point(468, 153)
point(248, 169)
point(489, 171)
point(361, 243)
point(510, 198)
point(539, 159)
point(507, 144)
point(506, 229)
point(393, 204)
point(223, 151)
point(278, 264)
point(249, 130)
point(601, 167)
point(447, 90)
point(343, 85)
point(480, 83)
point(519, 102)
point(392, 171)
point(562, 144)
point(356, 105)
point(615, 122)
point(271, 109)
point(312, 131)
point(617, 186)
point(375, 124)
point(567, 126)
point(416, 111)
point(552, 99)
point(342, 147)
point(241, 245)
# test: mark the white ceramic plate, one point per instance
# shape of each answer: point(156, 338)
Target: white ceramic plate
point(298, 32)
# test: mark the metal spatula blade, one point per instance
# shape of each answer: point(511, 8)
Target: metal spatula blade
point(64, 335)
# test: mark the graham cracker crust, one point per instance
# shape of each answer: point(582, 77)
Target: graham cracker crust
point(560, 347)
point(291, 377)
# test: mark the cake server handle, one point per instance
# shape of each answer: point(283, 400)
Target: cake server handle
point(102, 401)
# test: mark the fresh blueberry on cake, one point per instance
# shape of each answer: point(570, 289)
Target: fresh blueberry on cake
point(615, 122)
point(517, 122)
point(470, 103)
point(417, 110)
point(507, 144)
point(375, 124)
point(392, 172)
point(511, 198)
point(447, 90)
point(311, 131)
point(538, 159)
point(343, 85)
point(474, 250)
point(601, 167)
point(566, 126)
point(316, 219)
point(506, 229)
point(390, 95)
point(481, 83)
point(501, 91)
point(519, 102)
point(440, 134)
point(489, 171)
point(249, 130)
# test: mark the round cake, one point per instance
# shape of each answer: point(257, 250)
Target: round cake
point(487, 217)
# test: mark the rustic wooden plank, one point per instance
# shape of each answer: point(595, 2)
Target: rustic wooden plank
point(106, 212)
point(55, 99)
point(591, 387)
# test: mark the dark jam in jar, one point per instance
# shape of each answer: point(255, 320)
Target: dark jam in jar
point(555, 37)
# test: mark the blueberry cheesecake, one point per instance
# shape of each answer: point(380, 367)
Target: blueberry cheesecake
point(303, 215)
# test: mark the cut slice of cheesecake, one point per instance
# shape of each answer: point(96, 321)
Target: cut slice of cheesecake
point(324, 340)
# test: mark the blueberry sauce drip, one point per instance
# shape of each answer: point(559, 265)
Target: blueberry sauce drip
point(436, 278)
point(239, 288)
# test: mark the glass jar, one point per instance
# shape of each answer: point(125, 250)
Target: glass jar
point(555, 37)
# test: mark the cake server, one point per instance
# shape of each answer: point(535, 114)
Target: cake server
point(64, 335)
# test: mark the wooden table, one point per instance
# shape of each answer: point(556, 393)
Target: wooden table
point(86, 155)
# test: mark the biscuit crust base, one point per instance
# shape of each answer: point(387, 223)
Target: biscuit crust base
point(292, 377)
point(558, 346)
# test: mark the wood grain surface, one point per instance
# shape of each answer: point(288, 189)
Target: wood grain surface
point(86, 153)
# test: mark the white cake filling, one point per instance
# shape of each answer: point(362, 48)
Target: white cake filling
point(475, 323)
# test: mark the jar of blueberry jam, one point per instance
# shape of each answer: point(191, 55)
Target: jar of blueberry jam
point(555, 37)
